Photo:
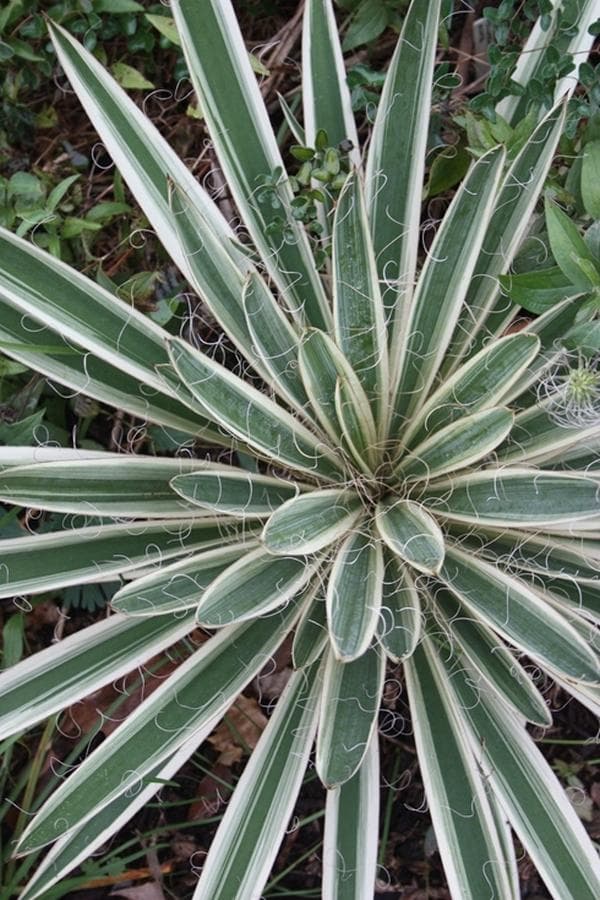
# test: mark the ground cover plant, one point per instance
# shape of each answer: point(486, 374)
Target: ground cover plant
point(390, 485)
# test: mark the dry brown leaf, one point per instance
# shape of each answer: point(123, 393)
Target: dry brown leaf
point(240, 730)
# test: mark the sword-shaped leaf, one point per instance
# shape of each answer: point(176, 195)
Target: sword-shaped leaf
point(59, 297)
point(354, 594)
point(250, 415)
point(351, 827)
point(465, 827)
point(33, 565)
point(83, 372)
point(322, 366)
point(247, 149)
point(129, 486)
point(253, 827)
point(443, 283)
point(534, 800)
point(326, 98)
point(202, 688)
point(357, 306)
point(233, 492)
point(492, 660)
point(179, 586)
point(146, 161)
point(573, 559)
point(400, 620)
point(396, 160)
point(274, 341)
point(72, 849)
point(358, 437)
point(309, 522)
point(311, 633)
point(351, 695)
point(510, 607)
point(411, 533)
point(505, 231)
point(80, 664)
point(537, 436)
point(479, 384)
point(517, 498)
point(575, 22)
point(254, 585)
point(456, 446)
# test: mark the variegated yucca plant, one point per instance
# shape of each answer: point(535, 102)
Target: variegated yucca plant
point(408, 498)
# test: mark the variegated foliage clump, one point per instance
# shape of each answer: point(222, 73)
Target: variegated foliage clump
point(412, 500)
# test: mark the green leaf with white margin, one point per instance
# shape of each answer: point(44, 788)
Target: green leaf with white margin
point(568, 248)
point(209, 267)
point(396, 160)
point(309, 522)
point(125, 485)
point(491, 659)
point(358, 436)
point(517, 498)
point(399, 626)
point(252, 586)
point(311, 634)
point(66, 363)
point(244, 848)
point(250, 415)
point(80, 664)
point(202, 688)
point(144, 158)
point(465, 827)
point(574, 559)
point(54, 294)
point(179, 586)
point(529, 792)
point(349, 708)
point(535, 55)
point(322, 364)
point(580, 597)
point(247, 150)
point(326, 99)
point(443, 283)
point(506, 229)
point(358, 312)
point(457, 445)
point(550, 328)
point(537, 435)
point(411, 533)
point(510, 607)
point(13, 457)
point(354, 594)
point(72, 849)
point(351, 828)
point(479, 384)
point(34, 565)
point(274, 341)
point(234, 492)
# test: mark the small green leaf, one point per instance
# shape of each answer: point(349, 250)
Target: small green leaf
point(368, 22)
point(568, 247)
point(129, 77)
point(539, 290)
point(590, 178)
point(166, 26)
point(117, 7)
